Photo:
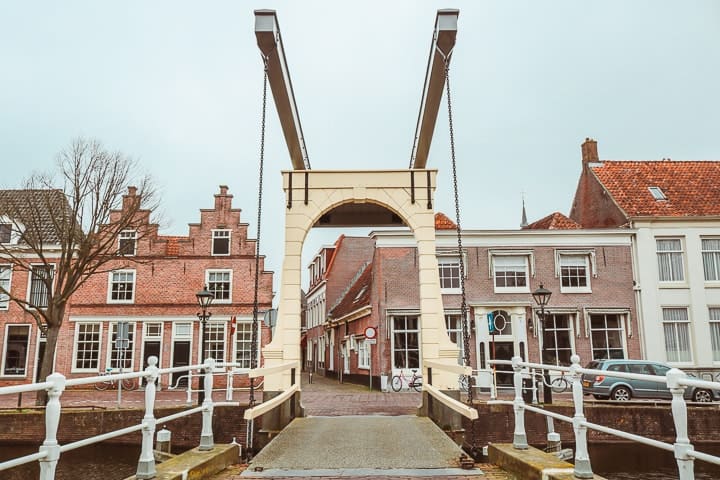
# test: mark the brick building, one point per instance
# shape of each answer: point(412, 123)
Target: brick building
point(672, 209)
point(152, 286)
point(591, 312)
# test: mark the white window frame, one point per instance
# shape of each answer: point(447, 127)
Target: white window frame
point(126, 235)
point(458, 331)
point(112, 327)
point(590, 269)
point(31, 274)
point(219, 234)
point(74, 368)
point(363, 355)
point(111, 282)
point(207, 282)
point(571, 334)
point(714, 258)
point(5, 299)
point(5, 350)
point(621, 329)
point(10, 232)
point(714, 319)
point(405, 331)
point(528, 273)
point(677, 323)
point(208, 325)
point(452, 260)
point(669, 254)
point(246, 323)
point(146, 337)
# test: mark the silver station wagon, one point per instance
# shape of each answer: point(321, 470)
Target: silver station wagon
point(603, 387)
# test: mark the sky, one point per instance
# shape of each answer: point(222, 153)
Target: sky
point(178, 86)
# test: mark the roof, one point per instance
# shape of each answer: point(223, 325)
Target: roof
point(692, 188)
point(36, 209)
point(554, 221)
point(172, 248)
point(357, 296)
point(442, 222)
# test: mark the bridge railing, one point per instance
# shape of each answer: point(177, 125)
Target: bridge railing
point(446, 400)
point(50, 450)
point(676, 381)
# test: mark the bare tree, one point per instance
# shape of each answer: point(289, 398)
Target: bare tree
point(65, 227)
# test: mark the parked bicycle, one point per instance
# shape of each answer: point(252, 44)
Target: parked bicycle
point(414, 382)
point(127, 383)
point(560, 384)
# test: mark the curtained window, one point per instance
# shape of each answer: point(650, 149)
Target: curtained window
point(676, 327)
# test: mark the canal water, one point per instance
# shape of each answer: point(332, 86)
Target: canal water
point(116, 462)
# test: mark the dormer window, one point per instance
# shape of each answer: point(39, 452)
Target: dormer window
point(5, 232)
point(657, 193)
point(127, 242)
point(221, 242)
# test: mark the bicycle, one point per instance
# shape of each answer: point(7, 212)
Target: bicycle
point(127, 383)
point(463, 383)
point(414, 382)
point(560, 384)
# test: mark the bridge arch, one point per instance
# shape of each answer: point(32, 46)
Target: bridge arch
point(384, 198)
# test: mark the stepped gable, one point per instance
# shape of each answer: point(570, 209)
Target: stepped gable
point(554, 221)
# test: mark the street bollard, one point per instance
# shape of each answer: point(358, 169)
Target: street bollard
point(164, 440)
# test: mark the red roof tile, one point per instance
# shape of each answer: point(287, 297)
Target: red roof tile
point(442, 222)
point(554, 221)
point(692, 188)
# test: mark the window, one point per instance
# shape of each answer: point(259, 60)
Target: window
point(5, 273)
point(17, 338)
point(215, 341)
point(221, 242)
point(122, 286)
point(670, 260)
point(127, 243)
point(183, 330)
point(321, 352)
point(453, 323)
point(243, 344)
point(711, 259)
point(5, 232)
point(511, 273)
point(40, 283)
point(406, 342)
point(657, 193)
point(714, 314)
point(219, 283)
point(87, 346)
point(153, 330)
point(574, 273)
point(449, 269)
point(363, 354)
point(676, 327)
point(121, 356)
point(606, 336)
point(557, 339)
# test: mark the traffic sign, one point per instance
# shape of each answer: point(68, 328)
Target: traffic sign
point(370, 332)
point(371, 341)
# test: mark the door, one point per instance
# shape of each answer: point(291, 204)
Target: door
point(502, 351)
point(180, 358)
point(40, 355)
point(151, 348)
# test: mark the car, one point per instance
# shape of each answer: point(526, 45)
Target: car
point(604, 387)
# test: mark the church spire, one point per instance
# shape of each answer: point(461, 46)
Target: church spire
point(523, 222)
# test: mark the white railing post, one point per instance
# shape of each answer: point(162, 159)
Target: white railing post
point(229, 385)
point(146, 464)
point(682, 445)
point(533, 378)
point(206, 435)
point(519, 437)
point(52, 420)
point(188, 399)
point(582, 457)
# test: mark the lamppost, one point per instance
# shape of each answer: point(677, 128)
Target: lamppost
point(204, 298)
point(542, 297)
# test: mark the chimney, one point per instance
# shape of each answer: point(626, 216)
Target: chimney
point(223, 199)
point(130, 199)
point(589, 152)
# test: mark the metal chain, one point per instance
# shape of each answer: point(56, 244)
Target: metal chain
point(254, 338)
point(463, 302)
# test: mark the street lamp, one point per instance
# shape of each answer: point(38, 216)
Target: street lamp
point(204, 298)
point(542, 297)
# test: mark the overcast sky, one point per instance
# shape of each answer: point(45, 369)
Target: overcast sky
point(178, 85)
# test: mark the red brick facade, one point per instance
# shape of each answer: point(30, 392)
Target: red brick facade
point(156, 295)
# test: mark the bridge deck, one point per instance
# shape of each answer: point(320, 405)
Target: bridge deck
point(359, 445)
